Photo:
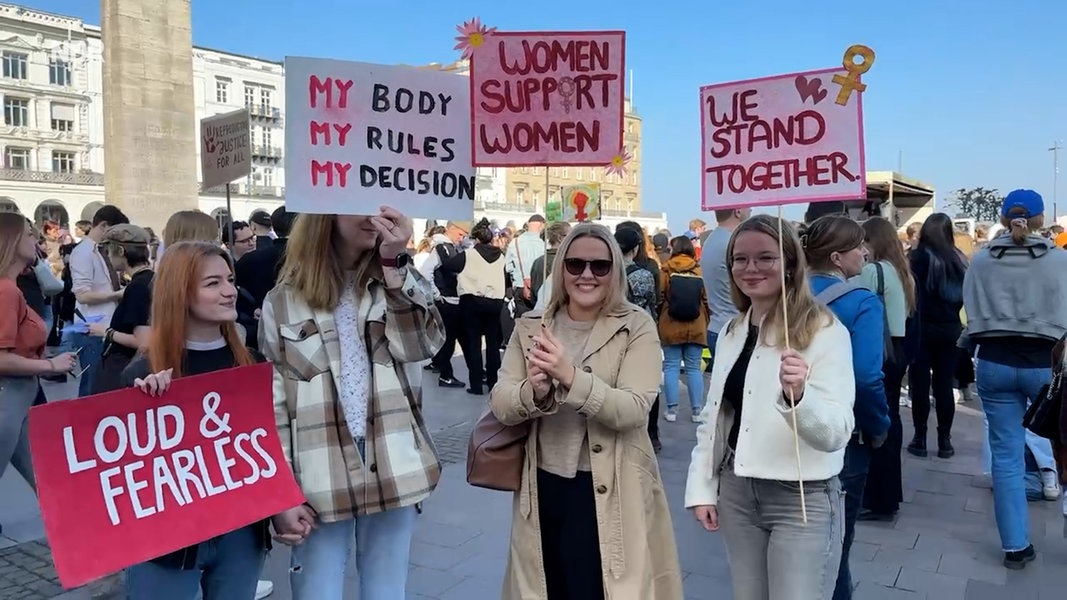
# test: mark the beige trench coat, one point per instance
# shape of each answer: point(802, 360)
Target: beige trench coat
point(616, 382)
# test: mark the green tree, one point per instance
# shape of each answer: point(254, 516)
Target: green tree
point(979, 203)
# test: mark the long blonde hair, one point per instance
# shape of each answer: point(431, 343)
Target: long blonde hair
point(190, 226)
point(616, 281)
point(806, 315)
point(313, 265)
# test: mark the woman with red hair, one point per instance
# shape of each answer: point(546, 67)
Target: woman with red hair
point(194, 314)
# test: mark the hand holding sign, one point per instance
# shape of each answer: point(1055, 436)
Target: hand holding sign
point(152, 477)
point(394, 231)
point(154, 384)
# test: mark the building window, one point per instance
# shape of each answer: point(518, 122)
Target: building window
point(16, 111)
point(264, 100)
point(62, 117)
point(630, 127)
point(59, 72)
point(222, 91)
point(250, 96)
point(17, 158)
point(266, 137)
point(563, 172)
point(62, 162)
point(14, 65)
point(579, 172)
point(268, 177)
point(519, 197)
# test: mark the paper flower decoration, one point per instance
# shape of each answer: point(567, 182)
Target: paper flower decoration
point(471, 36)
point(618, 164)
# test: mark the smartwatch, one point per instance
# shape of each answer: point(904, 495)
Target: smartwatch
point(401, 261)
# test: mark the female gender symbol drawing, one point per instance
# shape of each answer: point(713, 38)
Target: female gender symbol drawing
point(566, 91)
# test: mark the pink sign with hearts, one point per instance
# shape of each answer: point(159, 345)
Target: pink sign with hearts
point(781, 140)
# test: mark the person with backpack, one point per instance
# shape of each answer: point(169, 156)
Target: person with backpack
point(834, 247)
point(888, 275)
point(640, 291)
point(683, 326)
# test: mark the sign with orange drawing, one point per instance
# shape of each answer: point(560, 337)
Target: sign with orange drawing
point(581, 202)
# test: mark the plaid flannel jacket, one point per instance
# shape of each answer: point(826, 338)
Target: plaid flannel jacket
point(400, 466)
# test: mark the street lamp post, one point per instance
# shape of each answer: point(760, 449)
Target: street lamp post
point(1055, 150)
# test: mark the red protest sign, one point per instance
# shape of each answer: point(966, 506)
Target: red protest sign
point(547, 98)
point(782, 140)
point(124, 477)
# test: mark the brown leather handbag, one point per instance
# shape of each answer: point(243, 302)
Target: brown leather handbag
point(496, 453)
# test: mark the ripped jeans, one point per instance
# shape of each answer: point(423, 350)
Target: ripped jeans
point(383, 545)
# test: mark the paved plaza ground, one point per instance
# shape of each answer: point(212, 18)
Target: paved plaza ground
point(943, 546)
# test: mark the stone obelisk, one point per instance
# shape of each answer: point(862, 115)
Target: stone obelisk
point(149, 111)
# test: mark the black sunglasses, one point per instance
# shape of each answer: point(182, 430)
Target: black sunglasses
point(576, 266)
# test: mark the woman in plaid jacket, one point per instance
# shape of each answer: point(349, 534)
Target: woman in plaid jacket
point(346, 329)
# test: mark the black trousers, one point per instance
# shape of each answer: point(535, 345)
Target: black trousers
point(570, 543)
point(653, 420)
point(884, 487)
point(934, 367)
point(481, 320)
point(453, 319)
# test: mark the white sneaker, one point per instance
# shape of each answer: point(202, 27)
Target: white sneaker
point(696, 418)
point(264, 588)
point(671, 416)
point(1050, 484)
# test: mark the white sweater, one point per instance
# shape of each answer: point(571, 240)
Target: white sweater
point(765, 441)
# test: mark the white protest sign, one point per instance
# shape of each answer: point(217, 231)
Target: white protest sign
point(225, 154)
point(359, 136)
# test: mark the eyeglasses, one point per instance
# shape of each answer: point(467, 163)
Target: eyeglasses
point(763, 263)
point(598, 267)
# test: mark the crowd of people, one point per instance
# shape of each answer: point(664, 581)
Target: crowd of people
point(794, 342)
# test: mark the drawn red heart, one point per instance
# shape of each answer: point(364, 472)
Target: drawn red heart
point(810, 88)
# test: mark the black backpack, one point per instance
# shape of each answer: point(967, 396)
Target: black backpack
point(443, 280)
point(64, 302)
point(684, 296)
point(630, 269)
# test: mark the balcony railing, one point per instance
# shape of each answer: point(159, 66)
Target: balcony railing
point(264, 112)
point(51, 177)
point(266, 151)
point(244, 189)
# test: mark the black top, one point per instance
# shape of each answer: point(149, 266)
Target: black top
point(133, 310)
point(257, 271)
point(1017, 351)
point(263, 242)
point(31, 290)
point(733, 391)
point(196, 362)
point(939, 300)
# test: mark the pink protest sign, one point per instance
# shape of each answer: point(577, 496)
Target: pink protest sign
point(547, 98)
point(782, 140)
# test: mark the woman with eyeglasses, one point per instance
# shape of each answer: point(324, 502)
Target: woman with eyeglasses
point(776, 382)
point(22, 340)
point(591, 518)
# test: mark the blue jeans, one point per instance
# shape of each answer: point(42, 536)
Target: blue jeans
point(383, 545)
point(1005, 392)
point(88, 359)
point(672, 369)
point(713, 338)
point(1038, 446)
point(227, 568)
point(853, 480)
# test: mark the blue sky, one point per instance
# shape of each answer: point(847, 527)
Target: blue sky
point(972, 92)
